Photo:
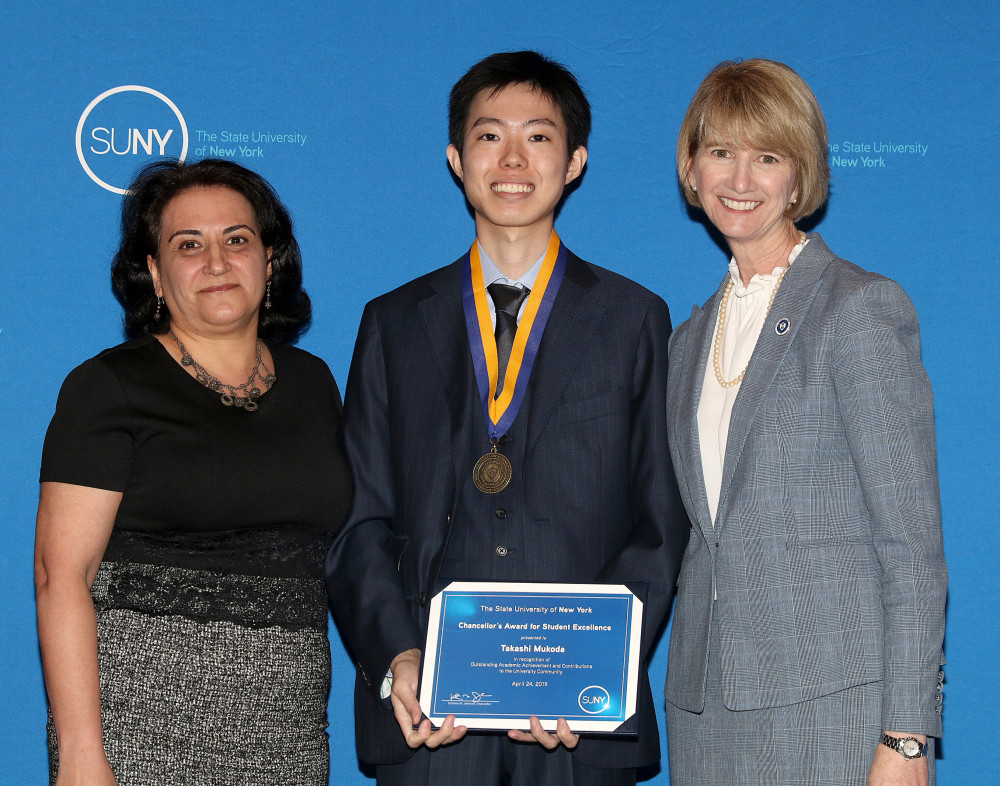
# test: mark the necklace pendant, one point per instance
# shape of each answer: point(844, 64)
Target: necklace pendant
point(230, 398)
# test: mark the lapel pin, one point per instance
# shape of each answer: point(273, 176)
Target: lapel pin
point(781, 327)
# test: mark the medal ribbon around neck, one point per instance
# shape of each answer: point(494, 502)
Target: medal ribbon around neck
point(500, 412)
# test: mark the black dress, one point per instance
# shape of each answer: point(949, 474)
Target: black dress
point(211, 608)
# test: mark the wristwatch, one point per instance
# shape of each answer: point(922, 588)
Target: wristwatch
point(907, 747)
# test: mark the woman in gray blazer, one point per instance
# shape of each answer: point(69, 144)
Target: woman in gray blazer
point(807, 635)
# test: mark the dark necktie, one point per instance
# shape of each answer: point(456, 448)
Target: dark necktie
point(507, 300)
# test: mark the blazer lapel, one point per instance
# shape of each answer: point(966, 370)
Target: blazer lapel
point(444, 325)
point(690, 368)
point(575, 314)
point(791, 304)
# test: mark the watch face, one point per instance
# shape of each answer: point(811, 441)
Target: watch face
point(911, 748)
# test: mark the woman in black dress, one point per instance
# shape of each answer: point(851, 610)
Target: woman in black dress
point(191, 484)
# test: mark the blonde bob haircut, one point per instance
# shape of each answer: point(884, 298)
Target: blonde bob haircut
point(764, 105)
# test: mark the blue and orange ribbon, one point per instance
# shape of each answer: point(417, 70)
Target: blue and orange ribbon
point(501, 411)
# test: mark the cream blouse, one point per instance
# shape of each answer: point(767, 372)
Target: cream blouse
point(747, 308)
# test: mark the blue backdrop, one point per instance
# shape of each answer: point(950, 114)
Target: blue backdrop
point(343, 107)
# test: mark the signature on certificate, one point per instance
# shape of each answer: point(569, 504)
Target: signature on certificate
point(473, 697)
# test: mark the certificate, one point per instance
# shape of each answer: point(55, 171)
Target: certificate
point(500, 652)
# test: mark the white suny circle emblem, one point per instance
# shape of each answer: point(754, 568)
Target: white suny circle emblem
point(161, 140)
point(594, 699)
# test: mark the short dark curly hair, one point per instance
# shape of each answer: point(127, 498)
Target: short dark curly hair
point(530, 68)
point(142, 209)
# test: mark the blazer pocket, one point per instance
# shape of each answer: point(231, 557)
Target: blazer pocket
point(593, 407)
point(833, 540)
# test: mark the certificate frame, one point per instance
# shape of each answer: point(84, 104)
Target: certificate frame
point(498, 651)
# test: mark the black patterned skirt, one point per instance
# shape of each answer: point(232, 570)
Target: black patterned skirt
point(214, 658)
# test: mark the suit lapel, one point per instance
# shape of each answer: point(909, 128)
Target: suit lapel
point(690, 368)
point(575, 315)
point(444, 325)
point(792, 303)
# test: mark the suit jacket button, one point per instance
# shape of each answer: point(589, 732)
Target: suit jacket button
point(502, 551)
point(501, 513)
point(423, 599)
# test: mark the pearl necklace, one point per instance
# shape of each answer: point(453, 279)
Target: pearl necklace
point(720, 328)
point(229, 397)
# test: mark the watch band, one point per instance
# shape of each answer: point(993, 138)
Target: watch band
point(907, 747)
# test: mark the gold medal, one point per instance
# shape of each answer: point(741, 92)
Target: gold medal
point(492, 472)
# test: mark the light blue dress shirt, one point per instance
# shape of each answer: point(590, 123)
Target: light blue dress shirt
point(492, 275)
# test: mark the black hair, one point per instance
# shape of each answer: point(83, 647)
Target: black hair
point(142, 209)
point(530, 68)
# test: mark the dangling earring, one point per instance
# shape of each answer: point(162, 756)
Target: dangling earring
point(267, 296)
point(156, 314)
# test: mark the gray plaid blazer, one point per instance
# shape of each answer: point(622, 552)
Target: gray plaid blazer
point(827, 559)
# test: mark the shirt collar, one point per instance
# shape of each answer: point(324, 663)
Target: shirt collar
point(492, 274)
point(761, 281)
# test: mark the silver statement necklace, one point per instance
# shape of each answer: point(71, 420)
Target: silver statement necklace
point(242, 396)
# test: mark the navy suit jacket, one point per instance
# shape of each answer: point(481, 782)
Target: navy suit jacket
point(593, 496)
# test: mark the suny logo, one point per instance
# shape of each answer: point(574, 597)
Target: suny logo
point(594, 699)
point(125, 127)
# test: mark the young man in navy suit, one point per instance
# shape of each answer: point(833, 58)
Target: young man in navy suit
point(505, 421)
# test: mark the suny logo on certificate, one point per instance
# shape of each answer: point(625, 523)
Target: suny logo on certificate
point(594, 699)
